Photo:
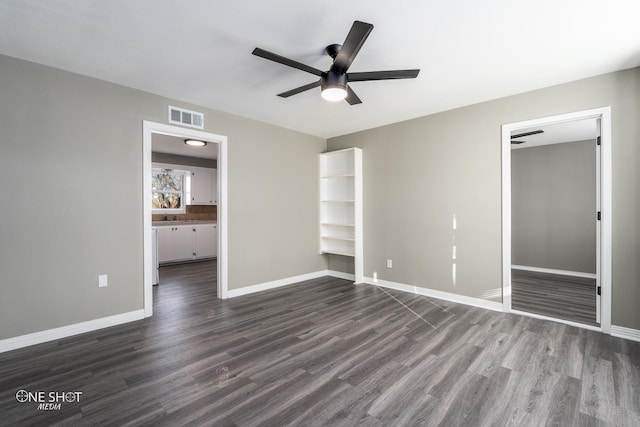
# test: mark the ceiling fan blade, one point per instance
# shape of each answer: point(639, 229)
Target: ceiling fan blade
point(285, 61)
point(299, 89)
point(352, 98)
point(351, 46)
point(383, 75)
point(520, 135)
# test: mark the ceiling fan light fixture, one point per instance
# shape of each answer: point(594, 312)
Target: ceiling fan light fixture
point(195, 142)
point(334, 86)
point(334, 94)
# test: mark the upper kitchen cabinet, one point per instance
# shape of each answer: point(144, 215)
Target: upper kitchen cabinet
point(204, 186)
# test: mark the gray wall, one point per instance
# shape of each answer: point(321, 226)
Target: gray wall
point(419, 173)
point(71, 164)
point(174, 159)
point(553, 205)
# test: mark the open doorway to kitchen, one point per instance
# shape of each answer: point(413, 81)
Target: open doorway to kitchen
point(163, 134)
point(556, 196)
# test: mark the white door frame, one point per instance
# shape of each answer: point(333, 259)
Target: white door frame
point(604, 115)
point(149, 128)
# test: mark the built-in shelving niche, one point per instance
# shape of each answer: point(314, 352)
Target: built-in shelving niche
point(341, 205)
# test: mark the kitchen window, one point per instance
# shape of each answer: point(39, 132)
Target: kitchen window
point(168, 191)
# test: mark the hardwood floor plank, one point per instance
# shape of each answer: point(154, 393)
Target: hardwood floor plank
point(627, 377)
point(325, 352)
point(352, 408)
point(598, 391)
point(564, 407)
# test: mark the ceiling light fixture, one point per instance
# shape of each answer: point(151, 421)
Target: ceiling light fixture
point(334, 86)
point(195, 142)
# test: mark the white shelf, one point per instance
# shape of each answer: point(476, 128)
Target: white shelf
point(346, 175)
point(338, 253)
point(345, 239)
point(338, 201)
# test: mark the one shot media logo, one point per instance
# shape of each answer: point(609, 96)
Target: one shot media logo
point(48, 401)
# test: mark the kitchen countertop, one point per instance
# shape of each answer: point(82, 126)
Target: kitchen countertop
point(183, 222)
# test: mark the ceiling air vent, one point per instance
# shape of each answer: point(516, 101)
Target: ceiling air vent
point(184, 117)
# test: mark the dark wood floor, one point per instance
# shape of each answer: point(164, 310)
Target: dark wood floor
point(563, 297)
point(325, 352)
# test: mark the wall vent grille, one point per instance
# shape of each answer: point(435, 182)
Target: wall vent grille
point(184, 117)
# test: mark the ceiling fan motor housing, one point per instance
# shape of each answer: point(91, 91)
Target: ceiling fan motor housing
point(333, 49)
point(335, 79)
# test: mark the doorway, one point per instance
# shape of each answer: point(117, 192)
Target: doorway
point(541, 276)
point(149, 129)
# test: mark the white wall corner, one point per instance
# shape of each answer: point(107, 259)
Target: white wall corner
point(341, 275)
point(69, 330)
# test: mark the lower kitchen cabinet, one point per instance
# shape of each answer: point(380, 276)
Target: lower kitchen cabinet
point(175, 243)
point(206, 240)
point(186, 242)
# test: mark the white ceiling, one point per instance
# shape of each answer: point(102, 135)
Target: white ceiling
point(575, 130)
point(200, 51)
point(175, 145)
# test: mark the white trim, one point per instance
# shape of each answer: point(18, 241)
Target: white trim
point(358, 210)
point(598, 153)
point(69, 330)
point(147, 257)
point(447, 296)
point(391, 285)
point(557, 320)
point(606, 225)
point(626, 333)
point(554, 271)
point(148, 129)
point(341, 275)
point(232, 293)
point(604, 114)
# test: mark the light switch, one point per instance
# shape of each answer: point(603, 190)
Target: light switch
point(102, 281)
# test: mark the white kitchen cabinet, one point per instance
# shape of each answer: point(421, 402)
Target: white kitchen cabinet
point(341, 206)
point(206, 240)
point(204, 186)
point(175, 243)
point(187, 242)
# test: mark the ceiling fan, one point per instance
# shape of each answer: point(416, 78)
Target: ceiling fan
point(520, 135)
point(335, 81)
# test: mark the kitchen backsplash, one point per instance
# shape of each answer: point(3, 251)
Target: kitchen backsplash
point(194, 212)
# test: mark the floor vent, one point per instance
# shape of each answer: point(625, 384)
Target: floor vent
point(184, 117)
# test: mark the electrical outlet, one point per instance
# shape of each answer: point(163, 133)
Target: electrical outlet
point(389, 263)
point(102, 281)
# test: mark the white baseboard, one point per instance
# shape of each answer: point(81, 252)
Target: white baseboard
point(341, 275)
point(232, 293)
point(557, 320)
point(70, 330)
point(447, 296)
point(554, 271)
point(626, 333)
